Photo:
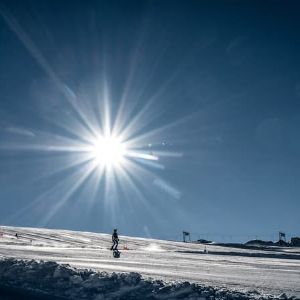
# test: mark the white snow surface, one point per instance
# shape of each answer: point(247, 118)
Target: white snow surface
point(147, 268)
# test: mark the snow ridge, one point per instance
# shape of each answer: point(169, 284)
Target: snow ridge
point(50, 280)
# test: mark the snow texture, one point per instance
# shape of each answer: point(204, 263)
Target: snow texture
point(60, 264)
point(51, 279)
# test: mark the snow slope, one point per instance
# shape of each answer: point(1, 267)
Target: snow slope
point(272, 270)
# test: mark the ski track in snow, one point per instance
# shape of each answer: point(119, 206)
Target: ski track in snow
point(270, 271)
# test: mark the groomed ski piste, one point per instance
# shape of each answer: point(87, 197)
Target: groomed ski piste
point(61, 264)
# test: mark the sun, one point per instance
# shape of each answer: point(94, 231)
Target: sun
point(108, 151)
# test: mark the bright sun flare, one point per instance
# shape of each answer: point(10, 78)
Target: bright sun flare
point(108, 151)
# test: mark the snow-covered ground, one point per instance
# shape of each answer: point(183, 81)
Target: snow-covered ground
point(252, 273)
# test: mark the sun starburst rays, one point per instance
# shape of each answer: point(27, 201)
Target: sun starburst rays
point(91, 136)
point(100, 151)
point(101, 147)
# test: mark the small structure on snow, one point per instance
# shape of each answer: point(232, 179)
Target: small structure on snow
point(186, 236)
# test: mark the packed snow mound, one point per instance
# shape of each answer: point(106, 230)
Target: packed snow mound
point(49, 280)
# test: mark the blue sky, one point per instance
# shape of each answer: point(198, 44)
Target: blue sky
point(211, 90)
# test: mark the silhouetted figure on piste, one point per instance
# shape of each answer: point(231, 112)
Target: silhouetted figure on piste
point(115, 240)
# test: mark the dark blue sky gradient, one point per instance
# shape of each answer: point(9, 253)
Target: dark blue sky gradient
point(229, 69)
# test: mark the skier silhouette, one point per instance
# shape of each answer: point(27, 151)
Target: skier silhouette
point(115, 240)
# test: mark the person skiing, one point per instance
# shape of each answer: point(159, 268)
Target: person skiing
point(115, 240)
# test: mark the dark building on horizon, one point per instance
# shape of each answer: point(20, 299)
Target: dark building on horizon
point(295, 241)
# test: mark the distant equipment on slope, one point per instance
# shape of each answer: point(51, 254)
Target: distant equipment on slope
point(282, 239)
point(282, 236)
point(186, 236)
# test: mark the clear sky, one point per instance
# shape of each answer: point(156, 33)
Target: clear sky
point(151, 116)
